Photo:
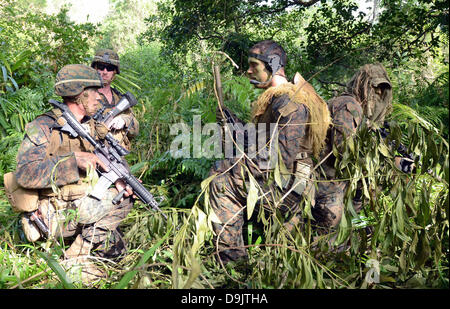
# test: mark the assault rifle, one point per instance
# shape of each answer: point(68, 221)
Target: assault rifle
point(407, 158)
point(110, 156)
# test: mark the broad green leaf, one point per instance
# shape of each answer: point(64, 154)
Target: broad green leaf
point(195, 271)
point(277, 176)
point(252, 196)
point(57, 269)
point(384, 150)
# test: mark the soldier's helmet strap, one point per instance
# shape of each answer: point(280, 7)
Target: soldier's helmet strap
point(273, 61)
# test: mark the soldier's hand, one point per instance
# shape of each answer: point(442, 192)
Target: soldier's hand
point(120, 186)
point(117, 123)
point(101, 129)
point(219, 116)
point(85, 159)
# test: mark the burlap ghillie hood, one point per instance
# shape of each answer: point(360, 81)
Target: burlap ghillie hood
point(301, 93)
point(362, 86)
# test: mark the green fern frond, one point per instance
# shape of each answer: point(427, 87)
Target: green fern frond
point(196, 87)
point(404, 114)
point(126, 81)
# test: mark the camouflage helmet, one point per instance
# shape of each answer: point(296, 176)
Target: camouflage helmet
point(72, 79)
point(106, 56)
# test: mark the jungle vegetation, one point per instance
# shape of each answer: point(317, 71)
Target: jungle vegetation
point(167, 50)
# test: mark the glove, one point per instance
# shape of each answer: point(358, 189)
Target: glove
point(407, 165)
point(117, 123)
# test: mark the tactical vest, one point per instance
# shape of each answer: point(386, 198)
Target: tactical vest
point(62, 144)
point(268, 117)
point(298, 178)
point(27, 200)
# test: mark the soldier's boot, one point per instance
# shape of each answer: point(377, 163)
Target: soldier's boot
point(78, 264)
point(30, 230)
point(114, 248)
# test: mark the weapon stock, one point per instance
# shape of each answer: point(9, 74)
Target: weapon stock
point(127, 101)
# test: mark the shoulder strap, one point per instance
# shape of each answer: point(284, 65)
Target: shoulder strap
point(55, 135)
point(116, 92)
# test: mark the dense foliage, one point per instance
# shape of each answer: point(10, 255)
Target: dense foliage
point(169, 69)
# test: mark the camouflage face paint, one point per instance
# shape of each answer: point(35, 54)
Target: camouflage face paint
point(257, 70)
point(90, 101)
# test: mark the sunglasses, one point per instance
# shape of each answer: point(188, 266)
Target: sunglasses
point(108, 67)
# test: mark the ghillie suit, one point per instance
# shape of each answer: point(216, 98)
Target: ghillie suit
point(362, 87)
point(360, 103)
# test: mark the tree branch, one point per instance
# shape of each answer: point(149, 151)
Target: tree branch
point(331, 83)
point(284, 7)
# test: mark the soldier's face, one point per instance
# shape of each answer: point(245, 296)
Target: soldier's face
point(257, 70)
point(106, 71)
point(92, 103)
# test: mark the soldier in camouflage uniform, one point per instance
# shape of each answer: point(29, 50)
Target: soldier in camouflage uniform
point(56, 164)
point(368, 98)
point(301, 118)
point(124, 127)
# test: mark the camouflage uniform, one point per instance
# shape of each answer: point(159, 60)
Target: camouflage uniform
point(46, 161)
point(347, 115)
point(228, 191)
point(39, 161)
point(348, 111)
point(131, 129)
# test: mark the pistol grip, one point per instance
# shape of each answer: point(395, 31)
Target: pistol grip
point(116, 200)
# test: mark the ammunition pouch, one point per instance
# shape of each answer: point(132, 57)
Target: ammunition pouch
point(21, 199)
point(300, 181)
point(301, 177)
point(91, 210)
point(68, 192)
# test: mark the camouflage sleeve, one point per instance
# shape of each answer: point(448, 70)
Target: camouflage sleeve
point(347, 116)
point(35, 168)
point(292, 127)
point(131, 123)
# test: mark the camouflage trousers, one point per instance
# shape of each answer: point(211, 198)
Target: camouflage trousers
point(329, 204)
point(96, 221)
point(228, 198)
